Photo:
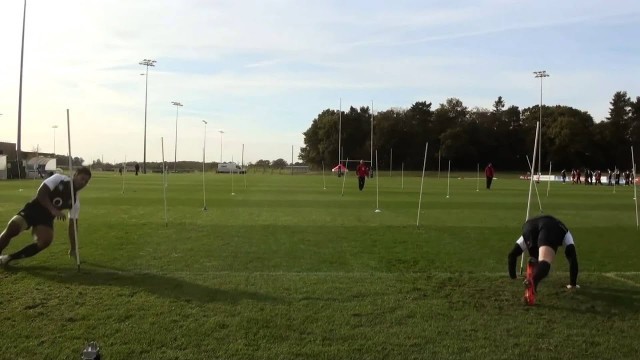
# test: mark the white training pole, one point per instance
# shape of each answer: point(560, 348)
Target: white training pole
point(377, 185)
point(339, 133)
point(478, 179)
point(424, 165)
point(535, 186)
point(73, 194)
point(402, 176)
point(633, 183)
point(344, 177)
point(531, 184)
point(232, 171)
point(448, 178)
point(243, 169)
point(204, 149)
point(371, 143)
point(164, 184)
point(549, 180)
point(124, 171)
point(390, 162)
point(324, 183)
point(438, 164)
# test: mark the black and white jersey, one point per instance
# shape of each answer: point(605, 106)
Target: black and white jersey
point(544, 230)
point(60, 195)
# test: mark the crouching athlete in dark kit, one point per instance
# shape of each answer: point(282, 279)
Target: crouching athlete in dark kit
point(542, 236)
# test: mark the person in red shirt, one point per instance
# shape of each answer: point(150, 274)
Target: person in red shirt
point(488, 172)
point(362, 171)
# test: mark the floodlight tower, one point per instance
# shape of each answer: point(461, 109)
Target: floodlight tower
point(540, 74)
point(147, 63)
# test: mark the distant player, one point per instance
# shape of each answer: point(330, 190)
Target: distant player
point(362, 171)
point(489, 173)
point(542, 236)
point(54, 196)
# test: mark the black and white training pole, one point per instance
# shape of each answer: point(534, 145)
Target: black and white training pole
point(73, 197)
point(424, 165)
point(531, 168)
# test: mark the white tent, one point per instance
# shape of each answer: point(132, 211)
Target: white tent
point(3, 167)
point(39, 166)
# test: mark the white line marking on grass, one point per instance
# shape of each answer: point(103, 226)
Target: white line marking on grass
point(626, 281)
point(90, 268)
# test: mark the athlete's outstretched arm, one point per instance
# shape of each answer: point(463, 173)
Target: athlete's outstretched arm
point(572, 257)
point(517, 250)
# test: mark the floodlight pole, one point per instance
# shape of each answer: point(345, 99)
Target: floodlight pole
point(175, 151)
point(147, 63)
point(540, 74)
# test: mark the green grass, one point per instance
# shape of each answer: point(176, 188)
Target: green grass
point(287, 270)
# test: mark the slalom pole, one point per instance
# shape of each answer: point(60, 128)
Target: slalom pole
point(377, 185)
point(424, 165)
point(73, 196)
point(344, 177)
point(531, 184)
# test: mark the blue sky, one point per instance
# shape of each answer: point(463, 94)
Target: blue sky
point(262, 70)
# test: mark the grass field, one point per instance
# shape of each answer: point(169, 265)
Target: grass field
point(285, 269)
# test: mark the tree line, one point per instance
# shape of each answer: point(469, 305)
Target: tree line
point(504, 136)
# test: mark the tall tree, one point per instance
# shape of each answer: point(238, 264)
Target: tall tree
point(618, 119)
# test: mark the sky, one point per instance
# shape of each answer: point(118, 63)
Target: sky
point(262, 70)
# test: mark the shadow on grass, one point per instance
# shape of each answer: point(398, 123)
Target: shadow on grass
point(604, 300)
point(157, 284)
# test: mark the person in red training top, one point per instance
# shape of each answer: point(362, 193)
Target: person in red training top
point(488, 172)
point(362, 171)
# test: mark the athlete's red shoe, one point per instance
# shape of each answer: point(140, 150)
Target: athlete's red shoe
point(529, 288)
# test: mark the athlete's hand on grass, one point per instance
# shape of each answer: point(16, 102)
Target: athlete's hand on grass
point(58, 214)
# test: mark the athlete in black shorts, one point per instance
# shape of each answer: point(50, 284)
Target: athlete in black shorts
point(542, 236)
point(54, 195)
